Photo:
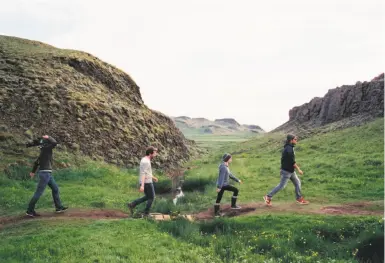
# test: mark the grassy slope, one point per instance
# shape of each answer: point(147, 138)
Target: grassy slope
point(339, 167)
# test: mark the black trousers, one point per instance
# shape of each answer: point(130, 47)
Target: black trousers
point(149, 196)
point(227, 188)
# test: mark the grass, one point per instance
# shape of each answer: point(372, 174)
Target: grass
point(340, 167)
point(213, 142)
point(95, 241)
point(247, 239)
point(288, 238)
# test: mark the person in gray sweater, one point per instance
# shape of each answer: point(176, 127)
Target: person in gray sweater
point(223, 184)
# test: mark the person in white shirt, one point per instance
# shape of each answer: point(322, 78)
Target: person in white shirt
point(146, 181)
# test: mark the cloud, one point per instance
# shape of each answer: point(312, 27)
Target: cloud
point(249, 60)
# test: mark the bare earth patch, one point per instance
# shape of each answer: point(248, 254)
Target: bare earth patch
point(358, 208)
point(71, 213)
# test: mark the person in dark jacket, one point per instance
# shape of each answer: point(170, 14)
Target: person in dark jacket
point(223, 184)
point(44, 163)
point(288, 164)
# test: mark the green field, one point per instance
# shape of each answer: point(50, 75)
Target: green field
point(213, 142)
point(341, 167)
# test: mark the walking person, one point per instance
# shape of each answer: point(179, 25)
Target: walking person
point(288, 166)
point(223, 184)
point(44, 163)
point(146, 182)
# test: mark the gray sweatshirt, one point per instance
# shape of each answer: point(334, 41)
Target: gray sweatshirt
point(224, 174)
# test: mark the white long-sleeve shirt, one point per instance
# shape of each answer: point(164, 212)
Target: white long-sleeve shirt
point(145, 169)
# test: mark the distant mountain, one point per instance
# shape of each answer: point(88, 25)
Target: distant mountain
point(219, 126)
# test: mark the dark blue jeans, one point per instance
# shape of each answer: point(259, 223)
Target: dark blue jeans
point(149, 196)
point(45, 178)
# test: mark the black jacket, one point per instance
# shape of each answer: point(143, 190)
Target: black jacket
point(288, 158)
point(44, 161)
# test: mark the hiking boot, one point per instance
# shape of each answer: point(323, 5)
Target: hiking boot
point(234, 203)
point(131, 208)
point(302, 201)
point(216, 210)
point(146, 215)
point(61, 209)
point(267, 200)
point(32, 214)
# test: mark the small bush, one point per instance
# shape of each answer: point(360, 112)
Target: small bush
point(17, 172)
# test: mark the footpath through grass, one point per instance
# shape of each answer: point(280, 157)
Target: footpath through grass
point(339, 167)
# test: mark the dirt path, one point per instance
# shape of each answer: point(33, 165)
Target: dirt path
point(360, 208)
point(72, 213)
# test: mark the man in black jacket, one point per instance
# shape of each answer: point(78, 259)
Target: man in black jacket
point(288, 164)
point(44, 162)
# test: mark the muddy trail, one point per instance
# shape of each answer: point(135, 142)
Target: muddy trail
point(360, 208)
point(72, 213)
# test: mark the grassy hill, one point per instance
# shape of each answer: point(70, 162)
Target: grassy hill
point(89, 106)
point(340, 168)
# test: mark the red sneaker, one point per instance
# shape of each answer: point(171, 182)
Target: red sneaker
point(267, 200)
point(302, 201)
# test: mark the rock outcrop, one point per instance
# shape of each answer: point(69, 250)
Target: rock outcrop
point(348, 105)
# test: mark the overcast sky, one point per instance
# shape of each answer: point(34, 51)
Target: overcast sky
point(248, 60)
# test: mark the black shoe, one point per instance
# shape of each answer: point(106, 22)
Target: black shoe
point(32, 214)
point(61, 209)
point(216, 211)
point(234, 203)
point(146, 215)
point(218, 215)
point(131, 208)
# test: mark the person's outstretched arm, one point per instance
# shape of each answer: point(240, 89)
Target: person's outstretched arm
point(235, 178)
